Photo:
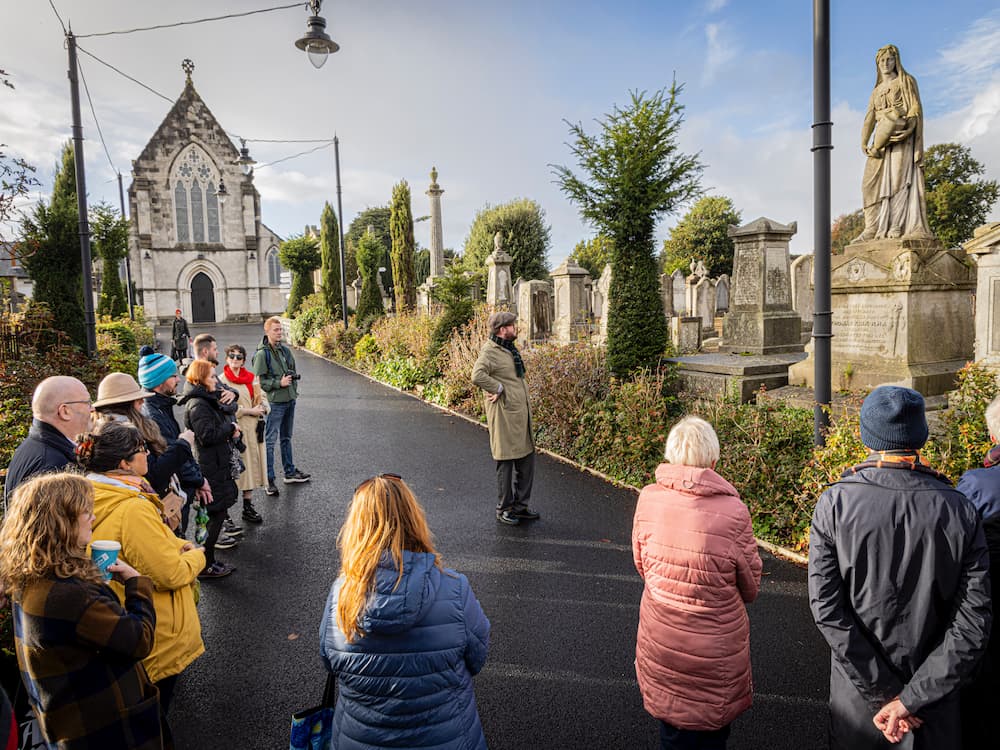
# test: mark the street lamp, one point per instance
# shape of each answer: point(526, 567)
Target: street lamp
point(315, 43)
point(222, 193)
point(245, 162)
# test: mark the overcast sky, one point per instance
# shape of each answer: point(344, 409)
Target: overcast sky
point(482, 90)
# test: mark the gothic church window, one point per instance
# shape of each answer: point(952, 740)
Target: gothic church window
point(196, 203)
point(273, 267)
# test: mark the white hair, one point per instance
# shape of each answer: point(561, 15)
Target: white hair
point(692, 442)
point(993, 417)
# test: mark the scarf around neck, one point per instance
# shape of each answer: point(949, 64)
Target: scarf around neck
point(244, 378)
point(992, 457)
point(509, 346)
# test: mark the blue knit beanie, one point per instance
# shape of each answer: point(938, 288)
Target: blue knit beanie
point(154, 369)
point(892, 418)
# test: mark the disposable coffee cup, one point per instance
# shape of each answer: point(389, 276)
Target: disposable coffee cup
point(104, 553)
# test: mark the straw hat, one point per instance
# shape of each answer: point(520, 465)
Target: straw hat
point(119, 388)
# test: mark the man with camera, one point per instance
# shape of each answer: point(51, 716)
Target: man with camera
point(274, 364)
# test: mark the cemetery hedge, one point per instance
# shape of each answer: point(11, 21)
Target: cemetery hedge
point(619, 426)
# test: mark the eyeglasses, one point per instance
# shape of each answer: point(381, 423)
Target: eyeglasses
point(240, 357)
point(377, 476)
point(141, 449)
point(67, 403)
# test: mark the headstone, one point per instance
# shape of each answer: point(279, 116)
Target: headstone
point(667, 295)
point(722, 294)
point(516, 295)
point(802, 289)
point(572, 304)
point(534, 311)
point(703, 295)
point(984, 247)
point(685, 334)
point(602, 303)
point(680, 291)
point(760, 318)
point(354, 293)
point(499, 293)
point(434, 192)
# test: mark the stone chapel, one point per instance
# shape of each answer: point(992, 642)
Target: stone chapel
point(191, 246)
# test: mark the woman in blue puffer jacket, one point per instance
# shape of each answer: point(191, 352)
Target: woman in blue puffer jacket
point(403, 634)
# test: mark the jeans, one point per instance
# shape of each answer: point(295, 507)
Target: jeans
point(280, 422)
point(672, 738)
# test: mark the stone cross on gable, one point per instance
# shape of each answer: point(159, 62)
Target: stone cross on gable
point(188, 67)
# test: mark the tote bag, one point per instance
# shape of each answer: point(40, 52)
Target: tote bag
point(312, 729)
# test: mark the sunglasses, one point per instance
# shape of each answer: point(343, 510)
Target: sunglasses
point(140, 449)
point(365, 483)
point(240, 357)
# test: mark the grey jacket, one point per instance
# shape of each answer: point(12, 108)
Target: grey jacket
point(899, 588)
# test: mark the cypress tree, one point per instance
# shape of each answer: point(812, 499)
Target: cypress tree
point(371, 251)
point(329, 247)
point(52, 236)
point(110, 245)
point(401, 230)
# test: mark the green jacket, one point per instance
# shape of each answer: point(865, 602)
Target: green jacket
point(271, 365)
point(509, 418)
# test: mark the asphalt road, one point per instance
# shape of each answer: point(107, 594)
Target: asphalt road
point(562, 594)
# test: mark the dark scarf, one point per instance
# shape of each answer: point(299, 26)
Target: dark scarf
point(908, 460)
point(992, 457)
point(509, 346)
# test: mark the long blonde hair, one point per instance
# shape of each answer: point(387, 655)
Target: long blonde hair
point(39, 533)
point(384, 517)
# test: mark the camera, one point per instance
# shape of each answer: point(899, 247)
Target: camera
point(295, 375)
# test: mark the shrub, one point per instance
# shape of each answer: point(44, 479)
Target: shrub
point(310, 320)
point(339, 342)
point(366, 349)
point(404, 335)
point(456, 361)
point(764, 447)
point(561, 381)
point(961, 438)
point(401, 372)
point(624, 434)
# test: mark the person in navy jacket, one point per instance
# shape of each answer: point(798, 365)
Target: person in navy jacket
point(403, 635)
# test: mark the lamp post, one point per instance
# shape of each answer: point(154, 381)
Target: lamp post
point(315, 43)
point(340, 213)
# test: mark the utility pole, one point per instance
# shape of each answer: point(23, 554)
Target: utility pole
point(128, 264)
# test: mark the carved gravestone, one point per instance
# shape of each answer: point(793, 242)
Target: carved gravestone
point(685, 334)
point(499, 293)
point(703, 295)
point(722, 285)
point(572, 304)
point(680, 290)
point(667, 295)
point(601, 296)
point(802, 289)
point(985, 248)
point(534, 311)
point(760, 318)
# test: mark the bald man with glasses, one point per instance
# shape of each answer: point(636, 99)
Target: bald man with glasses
point(61, 408)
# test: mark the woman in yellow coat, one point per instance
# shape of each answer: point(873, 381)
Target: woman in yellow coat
point(129, 512)
point(252, 408)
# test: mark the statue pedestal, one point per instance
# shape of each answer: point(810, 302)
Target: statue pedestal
point(902, 314)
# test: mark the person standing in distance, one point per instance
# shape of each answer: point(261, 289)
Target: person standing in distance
point(499, 372)
point(274, 364)
point(898, 586)
point(179, 337)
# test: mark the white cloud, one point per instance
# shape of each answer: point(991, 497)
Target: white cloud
point(713, 6)
point(721, 49)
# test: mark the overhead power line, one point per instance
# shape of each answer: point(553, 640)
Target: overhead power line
point(126, 75)
point(188, 23)
point(294, 156)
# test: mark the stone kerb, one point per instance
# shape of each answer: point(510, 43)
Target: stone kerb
point(984, 249)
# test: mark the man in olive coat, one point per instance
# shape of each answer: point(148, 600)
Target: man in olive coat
point(499, 372)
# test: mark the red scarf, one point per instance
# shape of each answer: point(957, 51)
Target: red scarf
point(244, 378)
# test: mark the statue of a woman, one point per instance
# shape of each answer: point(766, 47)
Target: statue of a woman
point(892, 137)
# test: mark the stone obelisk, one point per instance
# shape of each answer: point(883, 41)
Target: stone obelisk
point(437, 235)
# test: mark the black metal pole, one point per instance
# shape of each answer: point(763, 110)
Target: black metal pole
point(128, 264)
point(81, 199)
point(822, 145)
point(340, 215)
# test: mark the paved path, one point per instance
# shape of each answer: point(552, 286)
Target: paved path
point(562, 594)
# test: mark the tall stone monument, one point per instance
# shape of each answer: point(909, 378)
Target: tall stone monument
point(499, 292)
point(985, 248)
point(572, 302)
point(434, 192)
point(902, 303)
point(760, 318)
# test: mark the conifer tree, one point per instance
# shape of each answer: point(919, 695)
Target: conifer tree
point(401, 231)
point(329, 247)
point(110, 245)
point(300, 255)
point(52, 259)
point(371, 251)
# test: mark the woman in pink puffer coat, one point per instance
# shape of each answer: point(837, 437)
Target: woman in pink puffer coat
point(694, 547)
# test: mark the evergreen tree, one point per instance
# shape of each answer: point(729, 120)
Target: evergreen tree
point(703, 234)
point(300, 255)
point(523, 233)
point(376, 217)
point(52, 258)
point(634, 173)
point(110, 245)
point(452, 291)
point(956, 202)
point(401, 230)
point(371, 252)
point(329, 247)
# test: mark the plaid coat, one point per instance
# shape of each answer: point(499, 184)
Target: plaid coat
point(80, 655)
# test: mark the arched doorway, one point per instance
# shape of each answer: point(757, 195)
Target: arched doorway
point(202, 299)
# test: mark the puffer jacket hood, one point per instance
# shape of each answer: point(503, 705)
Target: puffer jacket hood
point(693, 480)
point(394, 609)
